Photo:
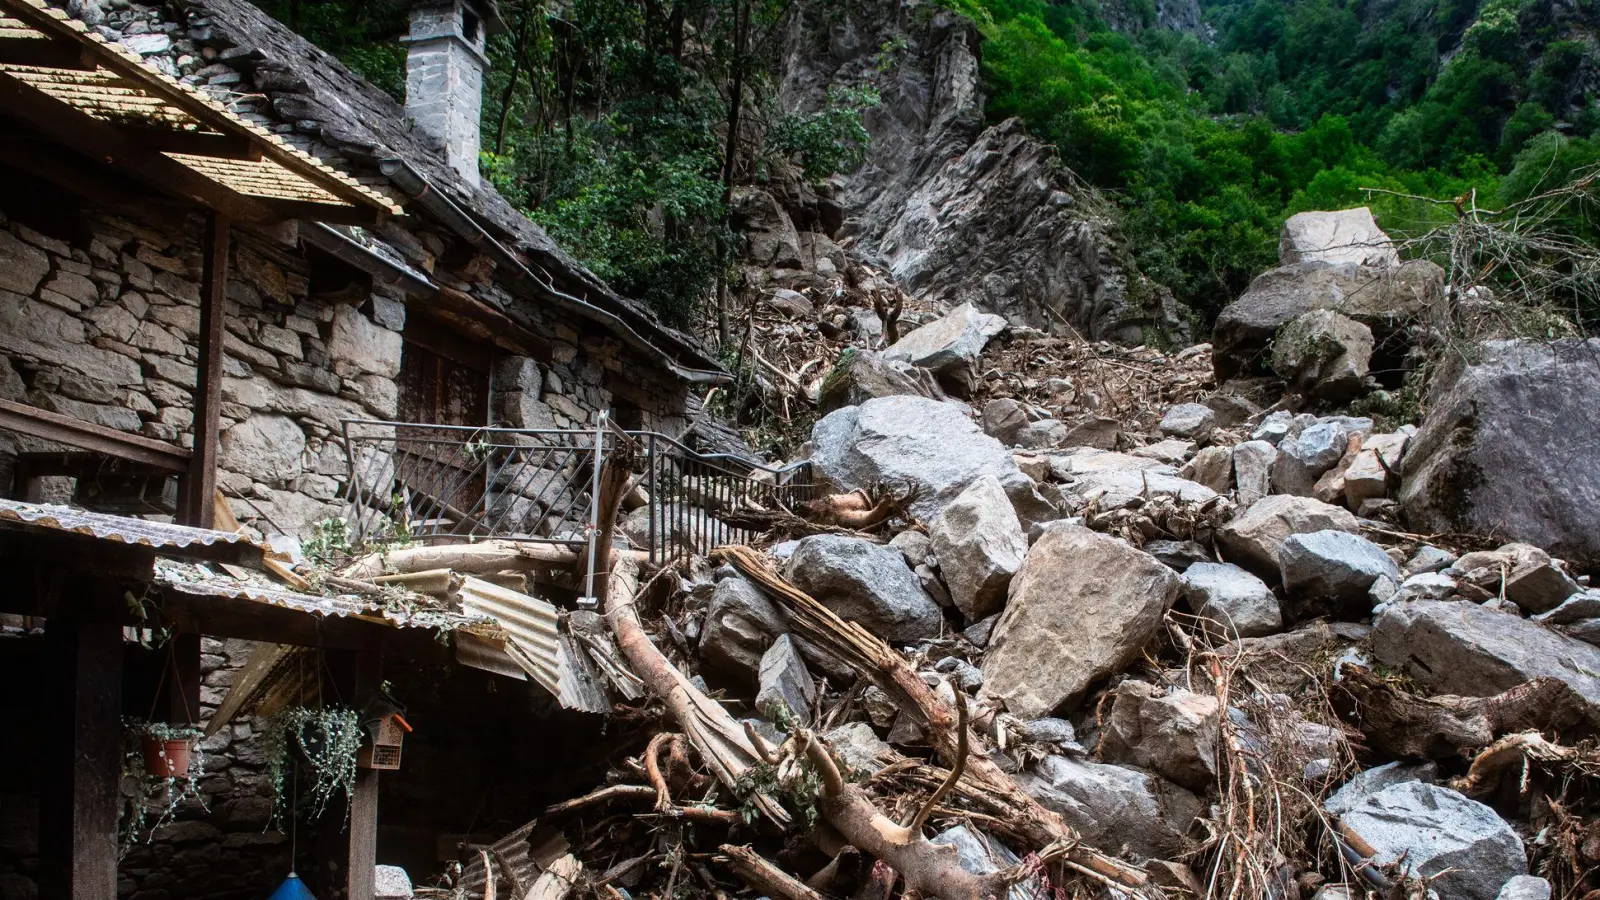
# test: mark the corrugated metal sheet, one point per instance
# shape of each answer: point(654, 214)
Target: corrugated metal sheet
point(164, 538)
point(530, 623)
point(485, 648)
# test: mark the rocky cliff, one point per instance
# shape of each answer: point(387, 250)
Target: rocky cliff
point(957, 211)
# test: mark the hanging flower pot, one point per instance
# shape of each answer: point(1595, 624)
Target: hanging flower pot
point(164, 756)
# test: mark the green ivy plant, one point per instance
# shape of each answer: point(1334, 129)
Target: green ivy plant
point(326, 741)
point(151, 801)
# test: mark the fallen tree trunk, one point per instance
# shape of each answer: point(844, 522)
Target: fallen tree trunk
point(885, 668)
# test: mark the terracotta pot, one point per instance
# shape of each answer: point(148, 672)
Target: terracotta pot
point(166, 758)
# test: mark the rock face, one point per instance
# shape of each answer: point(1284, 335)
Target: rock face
point(1436, 829)
point(952, 342)
point(1240, 603)
point(1522, 415)
point(905, 440)
point(865, 582)
point(1082, 606)
point(1113, 807)
point(1456, 647)
point(1255, 536)
point(955, 211)
point(980, 545)
point(1341, 236)
point(1378, 297)
point(861, 375)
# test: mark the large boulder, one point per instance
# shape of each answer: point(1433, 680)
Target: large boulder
point(1380, 297)
point(1174, 734)
point(1324, 354)
point(1457, 647)
point(950, 343)
point(1083, 606)
point(1334, 566)
point(1238, 602)
point(771, 238)
point(740, 625)
point(1113, 807)
point(911, 440)
point(980, 545)
point(867, 583)
point(1255, 536)
point(861, 375)
point(1521, 415)
point(1463, 848)
point(1339, 236)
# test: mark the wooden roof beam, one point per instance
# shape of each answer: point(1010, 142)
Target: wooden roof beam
point(46, 53)
point(332, 213)
point(196, 143)
point(112, 145)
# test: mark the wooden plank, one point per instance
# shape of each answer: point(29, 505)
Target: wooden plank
point(361, 868)
point(46, 53)
point(200, 483)
point(78, 808)
point(35, 422)
point(108, 143)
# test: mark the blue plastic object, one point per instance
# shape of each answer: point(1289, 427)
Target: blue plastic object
point(292, 889)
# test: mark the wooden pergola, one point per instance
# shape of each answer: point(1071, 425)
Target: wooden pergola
point(74, 569)
point(96, 120)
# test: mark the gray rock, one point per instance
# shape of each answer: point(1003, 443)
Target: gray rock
point(1525, 887)
point(1521, 415)
point(1333, 565)
point(1439, 832)
point(867, 583)
point(1113, 807)
point(1539, 586)
point(1253, 462)
point(1323, 354)
point(915, 546)
point(1375, 469)
point(1370, 781)
point(1092, 431)
point(1042, 435)
point(1117, 488)
point(391, 883)
point(22, 265)
point(1429, 558)
point(268, 448)
point(980, 854)
point(979, 632)
point(1049, 731)
point(858, 746)
point(1082, 606)
point(1274, 428)
point(360, 346)
point(1170, 451)
point(771, 239)
point(1175, 734)
point(1574, 609)
point(1177, 555)
point(966, 676)
point(1255, 536)
point(741, 623)
point(1456, 647)
point(1212, 468)
point(1427, 586)
point(952, 342)
point(1339, 236)
point(1190, 421)
point(1303, 458)
point(1003, 419)
point(786, 693)
point(861, 375)
point(1381, 298)
point(1240, 603)
point(908, 440)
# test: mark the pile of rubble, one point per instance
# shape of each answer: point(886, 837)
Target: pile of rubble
point(1081, 618)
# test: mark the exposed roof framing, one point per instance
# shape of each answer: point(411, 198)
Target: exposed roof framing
point(102, 100)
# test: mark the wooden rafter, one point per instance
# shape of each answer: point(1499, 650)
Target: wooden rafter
point(46, 53)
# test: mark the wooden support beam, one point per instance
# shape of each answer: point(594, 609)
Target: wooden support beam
point(106, 142)
point(46, 53)
point(362, 864)
point(196, 143)
point(200, 481)
point(35, 422)
point(79, 802)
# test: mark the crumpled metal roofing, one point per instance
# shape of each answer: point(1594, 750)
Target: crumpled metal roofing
point(159, 536)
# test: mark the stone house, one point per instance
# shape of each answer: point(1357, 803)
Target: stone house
point(217, 247)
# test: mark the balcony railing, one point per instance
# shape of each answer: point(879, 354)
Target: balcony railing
point(442, 483)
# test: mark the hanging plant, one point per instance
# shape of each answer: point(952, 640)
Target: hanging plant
point(325, 741)
point(162, 764)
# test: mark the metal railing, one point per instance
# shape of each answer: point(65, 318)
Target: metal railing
point(440, 483)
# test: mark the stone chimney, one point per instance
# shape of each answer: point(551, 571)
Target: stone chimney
point(445, 62)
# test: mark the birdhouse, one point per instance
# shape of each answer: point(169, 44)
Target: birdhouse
point(384, 752)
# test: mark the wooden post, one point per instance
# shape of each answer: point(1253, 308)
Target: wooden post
point(200, 482)
point(78, 808)
point(361, 871)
